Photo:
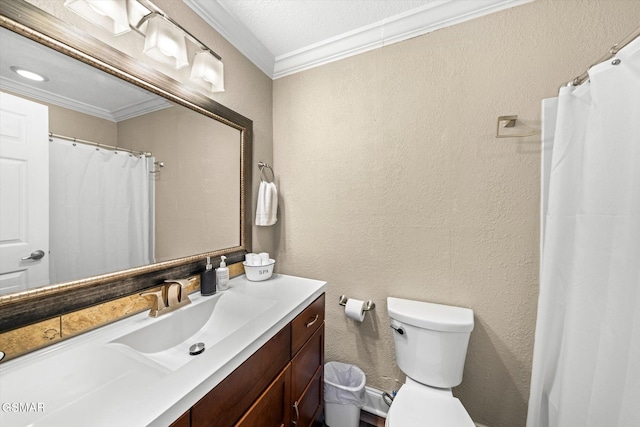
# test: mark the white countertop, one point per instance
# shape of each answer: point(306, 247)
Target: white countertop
point(90, 380)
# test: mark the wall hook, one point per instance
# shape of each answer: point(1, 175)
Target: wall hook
point(510, 122)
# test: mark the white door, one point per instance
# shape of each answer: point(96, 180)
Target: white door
point(24, 194)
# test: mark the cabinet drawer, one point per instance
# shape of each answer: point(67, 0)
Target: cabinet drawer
point(272, 408)
point(305, 408)
point(229, 400)
point(303, 326)
point(307, 361)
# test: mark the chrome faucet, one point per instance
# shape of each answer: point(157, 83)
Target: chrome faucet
point(169, 297)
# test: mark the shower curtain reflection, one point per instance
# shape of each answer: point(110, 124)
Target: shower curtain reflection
point(101, 211)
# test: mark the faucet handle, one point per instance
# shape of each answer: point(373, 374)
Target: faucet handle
point(176, 291)
point(158, 301)
point(181, 282)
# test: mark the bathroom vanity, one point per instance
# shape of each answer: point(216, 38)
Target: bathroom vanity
point(262, 365)
point(289, 366)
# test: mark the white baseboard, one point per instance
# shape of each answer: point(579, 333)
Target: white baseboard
point(374, 403)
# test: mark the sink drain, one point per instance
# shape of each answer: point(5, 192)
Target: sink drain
point(196, 349)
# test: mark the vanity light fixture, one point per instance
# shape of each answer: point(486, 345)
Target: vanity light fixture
point(208, 71)
point(165, 39)
point(27, 74)
point(108, 14)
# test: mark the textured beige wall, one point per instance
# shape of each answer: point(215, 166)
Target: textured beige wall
point(392, 183)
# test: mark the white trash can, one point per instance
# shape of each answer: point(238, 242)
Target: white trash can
point(344, 394)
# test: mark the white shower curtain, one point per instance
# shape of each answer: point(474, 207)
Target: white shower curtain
point(100, 211)
point(586, 363)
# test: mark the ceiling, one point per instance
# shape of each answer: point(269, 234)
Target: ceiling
point(283, 37)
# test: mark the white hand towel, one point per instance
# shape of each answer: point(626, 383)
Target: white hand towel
point(267, 206)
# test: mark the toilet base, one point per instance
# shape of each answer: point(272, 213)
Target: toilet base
point(417, 405)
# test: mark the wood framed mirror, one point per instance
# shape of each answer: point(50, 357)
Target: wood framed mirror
point(175, 255)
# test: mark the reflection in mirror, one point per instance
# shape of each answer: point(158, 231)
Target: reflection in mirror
point(93, 209)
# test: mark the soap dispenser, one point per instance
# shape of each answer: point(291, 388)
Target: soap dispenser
point(222, 274)
point(208, 280)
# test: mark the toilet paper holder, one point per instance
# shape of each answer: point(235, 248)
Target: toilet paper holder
point(368, 305)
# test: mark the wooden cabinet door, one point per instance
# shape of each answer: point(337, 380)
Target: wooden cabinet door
point(305, 408)
point(272, 408)
point(306, 363)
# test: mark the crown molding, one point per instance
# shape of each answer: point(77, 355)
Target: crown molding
point(431, 17)
point(235, 32)
point(149, 105)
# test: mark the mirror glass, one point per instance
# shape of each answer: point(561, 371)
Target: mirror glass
point(100, 208)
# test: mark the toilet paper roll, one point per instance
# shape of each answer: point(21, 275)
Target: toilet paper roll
point(354, 309)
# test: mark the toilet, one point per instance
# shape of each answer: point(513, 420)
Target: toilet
point(431, 345)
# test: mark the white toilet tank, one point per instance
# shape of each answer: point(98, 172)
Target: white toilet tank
point(431, 340)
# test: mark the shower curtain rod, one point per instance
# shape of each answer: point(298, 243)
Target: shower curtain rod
point(612, 52)
point(98, 145)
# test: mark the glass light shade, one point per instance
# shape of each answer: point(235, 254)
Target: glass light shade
point(136, 12)
point(165, 43)
point(108, 14)
point(208, 71)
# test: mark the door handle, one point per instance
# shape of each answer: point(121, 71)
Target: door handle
point(35, 255)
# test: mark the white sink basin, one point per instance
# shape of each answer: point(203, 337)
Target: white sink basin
point(209, 320)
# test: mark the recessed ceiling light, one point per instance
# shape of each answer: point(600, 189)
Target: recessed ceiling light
point(29, 74)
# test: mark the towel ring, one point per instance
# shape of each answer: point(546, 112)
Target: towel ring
point(262, 166)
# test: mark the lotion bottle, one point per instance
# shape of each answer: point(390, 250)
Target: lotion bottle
point(222, 274)
point(208, 280)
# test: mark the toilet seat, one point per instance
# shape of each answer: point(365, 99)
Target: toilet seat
point(419, 406)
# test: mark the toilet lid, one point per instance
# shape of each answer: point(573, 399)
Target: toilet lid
point(420, 407)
